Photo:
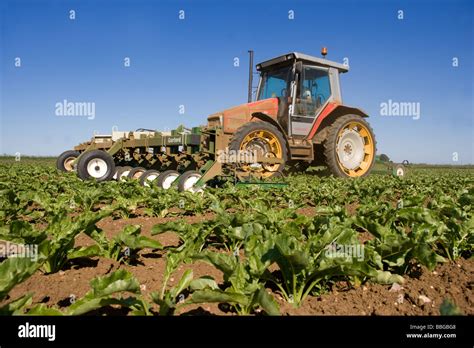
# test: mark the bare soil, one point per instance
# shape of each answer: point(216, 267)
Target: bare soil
point(452, 280)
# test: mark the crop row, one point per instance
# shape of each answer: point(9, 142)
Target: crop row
point(257, 238)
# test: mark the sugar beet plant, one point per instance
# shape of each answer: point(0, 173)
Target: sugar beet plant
point(291, 242)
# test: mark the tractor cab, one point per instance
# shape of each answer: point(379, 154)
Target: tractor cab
point(303, 85)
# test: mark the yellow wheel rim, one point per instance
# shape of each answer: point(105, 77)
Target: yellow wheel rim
point(263, 143)
point(355, 149)
point(68, 163)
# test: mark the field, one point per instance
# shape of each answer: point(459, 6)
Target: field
point(381, 245)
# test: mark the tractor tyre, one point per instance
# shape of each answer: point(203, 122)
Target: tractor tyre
point(64, 161)
point(96, 164)
point(350, 147)
point(265, 139)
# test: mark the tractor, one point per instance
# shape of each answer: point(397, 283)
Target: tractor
point(297, 120)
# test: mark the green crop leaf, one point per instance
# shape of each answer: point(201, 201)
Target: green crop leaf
point(169, 299)
point(86, 251)
point(203, 283)
point(22, 232)
point(120, 280)
point(182, 284)
point(223, 262)
point(13, 271)
point(124, 246)
point(42, 309)
point(130, 237)
point(88, 304)
point(245, 279)
point(17, 307)
point(63, 232)
point(209, 295)
point(102, 289)
point(267, 302)
point(169, 226)
point(384, 277)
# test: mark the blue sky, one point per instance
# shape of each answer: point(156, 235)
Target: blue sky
point(190, 62)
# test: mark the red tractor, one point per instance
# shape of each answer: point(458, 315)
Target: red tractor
point(299, 117)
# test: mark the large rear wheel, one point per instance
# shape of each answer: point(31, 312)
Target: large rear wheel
point(263, 139)
point(350, 147)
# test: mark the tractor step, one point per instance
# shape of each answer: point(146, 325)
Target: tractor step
point(301, 152)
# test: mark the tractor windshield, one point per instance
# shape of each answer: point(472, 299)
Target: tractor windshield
point(274, 83)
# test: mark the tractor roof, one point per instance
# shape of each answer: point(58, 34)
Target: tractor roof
point(304, 57)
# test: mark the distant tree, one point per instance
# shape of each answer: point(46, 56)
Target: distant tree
point(384, 158)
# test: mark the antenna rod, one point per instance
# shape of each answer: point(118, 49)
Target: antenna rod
point(250, 75)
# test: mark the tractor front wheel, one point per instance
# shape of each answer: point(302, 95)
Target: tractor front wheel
point(261, 139)
point(349, 148)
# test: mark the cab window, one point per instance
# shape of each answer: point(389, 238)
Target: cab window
point(274, 83)
point(313, 91)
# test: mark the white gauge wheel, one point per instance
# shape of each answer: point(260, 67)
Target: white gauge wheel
point(399, 170)
point(149, 179)
point(124, 174)
point(189, 183)
point(97, 168)
point(169, 180)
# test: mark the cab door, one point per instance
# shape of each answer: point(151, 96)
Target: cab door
point(311, 91)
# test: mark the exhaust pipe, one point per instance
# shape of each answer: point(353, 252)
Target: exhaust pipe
point(250, 76)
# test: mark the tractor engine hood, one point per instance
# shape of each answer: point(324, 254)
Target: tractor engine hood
point(233, 118)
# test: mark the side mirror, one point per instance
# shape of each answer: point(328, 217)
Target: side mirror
point(299, 67)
